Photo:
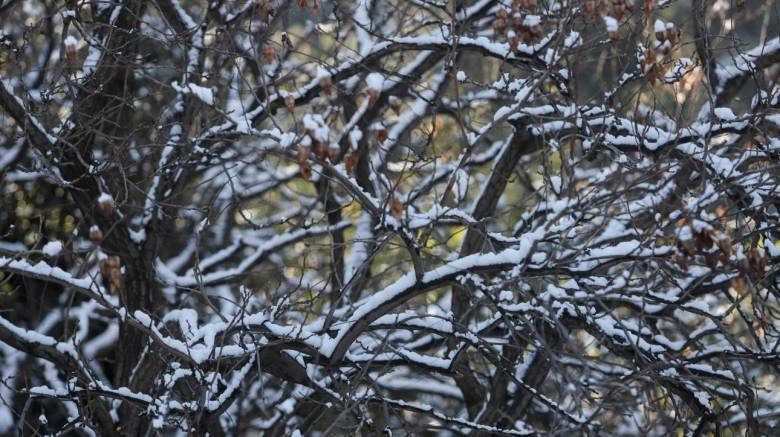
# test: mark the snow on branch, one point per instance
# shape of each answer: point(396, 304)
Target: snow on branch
point(275, 217)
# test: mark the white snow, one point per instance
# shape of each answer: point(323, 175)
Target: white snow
point(322, 73)
point(532, 20)
point(659, 26)
point(724, 114)
point(316, 127)
point(52, 248)
point(568, 250)
point(611, 23)
point(204, 94)
point(375, 81)
point(71, 41)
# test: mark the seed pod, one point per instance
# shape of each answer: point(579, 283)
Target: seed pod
point(115, 281)
point(110, 269)
point(673, 34)
point(396, 208)
point(618, 10)
point(266, 8)
point(334, 153)
point(104, 268)
point(724, 245)
point(289, 102)
point(306, 171)
point(613, 27)
point(629, 5)
point(113, 262)
point(499, 25)
point(71, 49)
point(320, 150)
point(704, 240)
point(517, 24)
point(303, 4)
point(757, 261)
point(660, 30)
point(106, 204)
point(395, 104)
point(269, 53)
point(303, 162)
point(762, 261)
point(373, 96)
point(286, 41)
point(649, 59)
point(739, 284)
point(95, 234)
point(603, 11)
point(326, 84)
point(649, 7)
point(711, 258)
point(743, 265)
point(590, 8)
point(651, 69)
point(381, 134)
point(536, 31)
point(513, 40)
point(350, 162)
point(653, 74)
